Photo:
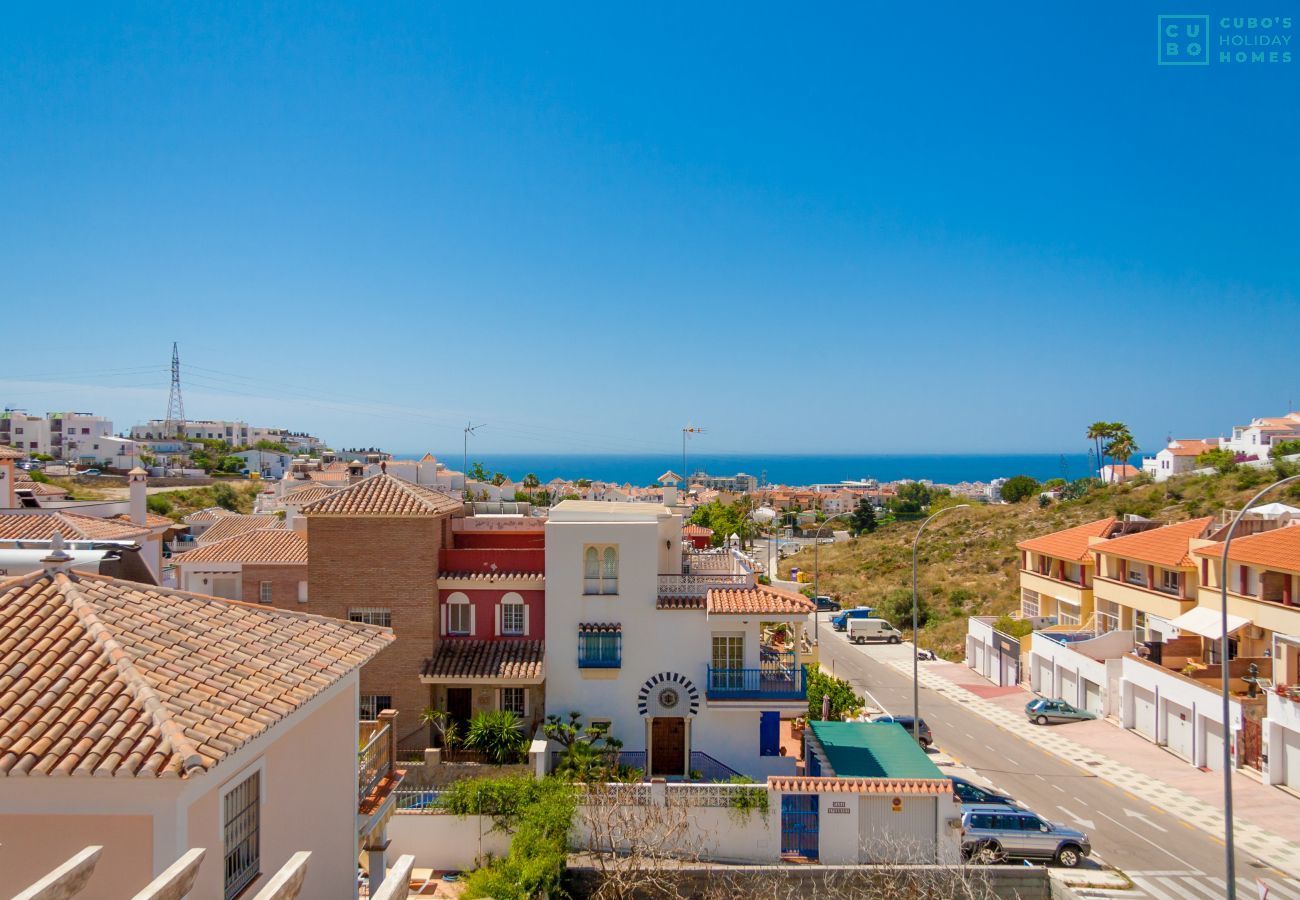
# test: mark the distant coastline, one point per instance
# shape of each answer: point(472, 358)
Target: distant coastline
point(643, 469)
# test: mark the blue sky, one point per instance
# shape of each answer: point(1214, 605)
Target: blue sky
point(862, 228)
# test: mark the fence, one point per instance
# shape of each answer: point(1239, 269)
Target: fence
point(374, 762)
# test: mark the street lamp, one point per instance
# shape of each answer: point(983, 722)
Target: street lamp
point(1230, 857)
point(817, 569)
point(916, 683)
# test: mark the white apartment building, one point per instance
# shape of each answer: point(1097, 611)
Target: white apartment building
point(684, 669)
point(232, 432)
point(1258, 438)
point(63, 435)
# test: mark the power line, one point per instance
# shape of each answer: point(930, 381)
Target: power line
point(175, 422)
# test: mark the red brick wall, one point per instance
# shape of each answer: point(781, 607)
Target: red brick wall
point(284, 584)
point(506, 539)
point(390, 563)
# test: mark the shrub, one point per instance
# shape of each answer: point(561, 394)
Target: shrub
point(1019, 488)
point(39, 476)
point(1016, 628)
point(844, 702)
point(498, 733)
point(224, 495)
point(1223, 461)
point(540, 815)
point(158, 503)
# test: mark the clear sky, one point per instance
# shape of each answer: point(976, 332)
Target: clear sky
point(874, 228)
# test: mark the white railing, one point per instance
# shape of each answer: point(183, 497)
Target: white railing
point(719, 796)
point(699, 585)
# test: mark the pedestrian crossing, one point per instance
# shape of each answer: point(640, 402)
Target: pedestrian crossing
point(1194, 885)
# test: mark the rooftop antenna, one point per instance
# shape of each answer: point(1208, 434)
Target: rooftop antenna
point(174, 426)
point(686, 473)
point(470, 428)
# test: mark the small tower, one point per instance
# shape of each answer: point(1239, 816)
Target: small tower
point(670, 480)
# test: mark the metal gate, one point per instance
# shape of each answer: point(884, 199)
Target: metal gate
point(1252, 741)
point(799, 825)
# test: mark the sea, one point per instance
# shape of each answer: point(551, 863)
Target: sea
point(642, 470)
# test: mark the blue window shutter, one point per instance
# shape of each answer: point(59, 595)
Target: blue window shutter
point(769, 734)
point(814, 765)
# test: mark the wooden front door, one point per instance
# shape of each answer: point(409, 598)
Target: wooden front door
point(668, 746)
point(459, 704)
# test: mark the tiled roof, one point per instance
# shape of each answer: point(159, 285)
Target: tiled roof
point(74, 526)
point(599, 627)
point(151, 520)
point(308, 494)
point(1191, 448)
point(1165, 546)
point(1072, 543)
point(817, 785)
point(680, 603)
point(210, 514)
point(266, 545)
point(385, 495)
point(1276, 549)
point(100, 676)
point(7, 452)
point(697, 531)
point(230, 526)
point(759, 599)
point(492, 577)
point(39, 488)
point(504, 660)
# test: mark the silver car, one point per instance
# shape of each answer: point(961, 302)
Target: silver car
point(992, 833)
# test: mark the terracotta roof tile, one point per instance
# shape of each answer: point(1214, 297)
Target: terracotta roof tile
point(819, 785)
point(73, 526)
point(7, 452)
point(266, 545)
point(308, 494)
point(385, 495)
point(759, 599)
point(100, 676)
point(491, 577)
point(210, 514)
point(1167, 546)
point(1191, 448)
point(151, 520)
point(1072, 543)
point(39, 488)
point(487, 660)
point(697, 531)
point(1276, 549)
point(680, 603)
point(234, 525)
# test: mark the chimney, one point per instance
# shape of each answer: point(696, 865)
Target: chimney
point(138, 479)
point(670, 494)
point(356, 471)
point(57, 559)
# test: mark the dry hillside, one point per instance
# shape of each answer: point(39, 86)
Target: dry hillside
point(968, 559)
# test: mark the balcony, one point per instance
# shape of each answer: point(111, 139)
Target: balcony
point(699, 585)
point(771, 682)
point(377, 772)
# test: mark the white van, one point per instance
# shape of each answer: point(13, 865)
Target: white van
point(863, 630)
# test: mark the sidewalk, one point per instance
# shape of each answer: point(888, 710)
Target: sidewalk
point(1267, 821)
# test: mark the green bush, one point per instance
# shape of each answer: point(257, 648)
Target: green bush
point(844, 702)
point(1016, 628)
point(39, 476)
point(540, 815)
point(224, 495)
point(1019, 488)
point(158, 503)
point(499, 734)
point(1223, 461)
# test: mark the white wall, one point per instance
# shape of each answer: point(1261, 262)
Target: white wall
point(445, 841)
point(1205, 706)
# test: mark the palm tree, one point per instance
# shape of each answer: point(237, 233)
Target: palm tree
point(1121, 446)
point(531, 482)
point(1098, 432)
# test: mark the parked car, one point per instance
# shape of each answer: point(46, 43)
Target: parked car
point(825, 603)
point(969, 792)
point(863, 630)
point(925, 738)
point(1043, 711)
point(91, 473)
point(993, 832)
point(840, 622)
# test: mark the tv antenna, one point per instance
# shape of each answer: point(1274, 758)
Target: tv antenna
point(470, 428)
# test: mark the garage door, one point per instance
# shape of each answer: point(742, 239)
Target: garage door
point(1069, 686)
point(1010, 674)
point(898, 830)
point(1291, 758)
point(1214, 746)
point(978, 658)
point(1177, 730)
point(1041, 671)
point(1144, 712)
point(1092, 697)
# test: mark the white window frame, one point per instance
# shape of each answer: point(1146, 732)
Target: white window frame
point(256, 770)
point(1166, 575)
point(523, 693)
point(265, 591)
point(600, 580)
point(1073, 617)
point(512, 602)
point(376, 708)
point(371, 615)
point(458, 600)
point(1030, 607)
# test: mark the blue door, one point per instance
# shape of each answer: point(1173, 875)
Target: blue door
point(799, 825)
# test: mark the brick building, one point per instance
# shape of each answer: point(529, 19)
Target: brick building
point(267, 566)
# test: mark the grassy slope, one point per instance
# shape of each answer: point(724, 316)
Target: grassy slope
point(182, 501)
point(968, 562)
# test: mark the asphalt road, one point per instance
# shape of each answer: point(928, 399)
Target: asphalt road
point(1165, 857)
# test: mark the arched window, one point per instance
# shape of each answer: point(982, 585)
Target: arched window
point(600, 570)
point(512, 616)
point(458, 615)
